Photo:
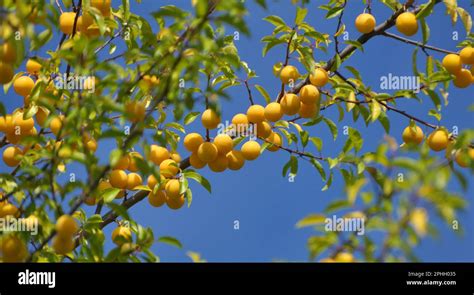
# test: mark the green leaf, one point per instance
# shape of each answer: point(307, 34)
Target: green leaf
point(171, 241)
point(311, 220)
point(275, 20)
point(332, 127)
point(199, 178)
point(191, 117)
point(108, 195)
point(264, 93)
point(300, 15)
point(426, 9)
point(334, 12)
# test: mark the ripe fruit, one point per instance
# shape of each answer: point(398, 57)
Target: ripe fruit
point(13, 249)
point(219, 164)
point(41, 116)
point(172, 188)
point(256, 113)
point(6, 73)
point(196, 162)
point(273, 112)
point(308, 110)
point(263, 129)
point(319, 77)
point(463, 79)
point(412, 135)
point(192, 141)
point(12, 156)
point(122, 163)
point(365, 23)
point(133, 180)
point(151, 181)
point(132, 165)
point(235, 160)
point(419, 220)
point(406, 23)
point(289, 74)
point(438, 140)
point(175, 203)
point(462, 157)
point(7, 53)
point(240, 122)
point(169, 168)
point(467, 55)
point(223, 143)
point(90, 144)
point(309, 94)
point(158, 154)
point(33, 67)
point(121, 235)
point(135, 110)
point(66, 22)
point(66, 226)
point(103, 6)
point(452, 63)
point(250, 150)
point(290, 104)
point(62, 245)
point(23, 85)
point(175, 156)
point(56, 124)
point(275, 140)
point(24, 125)
point(344, 257)
point(157, 199)
point(210, 119)
point(207, 152)
point(118, 179)
point(9, 210)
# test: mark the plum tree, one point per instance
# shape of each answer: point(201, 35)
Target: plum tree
point(145, 83)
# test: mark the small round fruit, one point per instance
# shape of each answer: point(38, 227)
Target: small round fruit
point(133, 180)
point(33, 67)
point(6, 73)
point(235, 159)
point(240, 122)
point(63, 245)
point(103, 6)
point(319, 77)
point(412, 135)
point(210, 119)
point(196, 162)
point(152, 181)
point(462, 157)
point(308, 110)
point(118, 179)
point(12, 156)
point(463, 79)
point(219, 164)
point(175, 203)
point(207, 152)
point(122, 163)
point(250, 150)
point(224, 143)
point(66, 226)
point(13, 249)
point(273, 112)
point(175, 156)
point(263, 129)
point(56, 124)
point(289, 74)
point(438, 140)
point(365, 23)
point(135, 110)
point(132, 165)
point(344, 257)
point(157, 199)
point(8, 53)
point(467, 55)
point(169, 168)
point(66, 22)
point(23, 85)
point(275, 140)
point(9, 210)
point(256, 113)
point(172, 188)
point(158, 154)
point(290, 104)
point(452, 63)
point(41, 116)
point(309, 94)
point(192, 141)
point(121, 235)
point(407, 24)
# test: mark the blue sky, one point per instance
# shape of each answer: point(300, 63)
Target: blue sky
point(266, 205)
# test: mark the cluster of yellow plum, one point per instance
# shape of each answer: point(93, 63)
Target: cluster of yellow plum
point(405, 23)
point(453, 63)
point(439, 140)
point(85, 23)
